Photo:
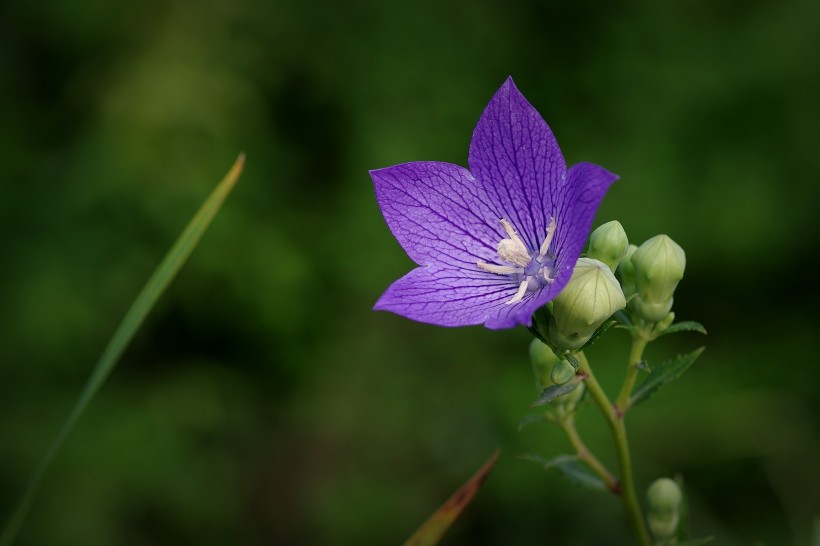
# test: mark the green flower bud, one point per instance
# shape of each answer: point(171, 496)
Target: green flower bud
point(664, 497)
point(543, 361)
point(608, 244)
point(626, 271)
point(562, 372)
point(659, 265)
point(591, 296)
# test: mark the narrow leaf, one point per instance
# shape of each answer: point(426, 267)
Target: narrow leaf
point(685, 326)
point(135, 316)
point(664, 373)
point(572, 469)
point(553, 392)
point(434, 528)
point(599, 332)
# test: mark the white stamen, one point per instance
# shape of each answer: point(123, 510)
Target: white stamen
point(547, 275)
point(499, 269)
point(546, 246)
point(513, 251)
point(522, 289)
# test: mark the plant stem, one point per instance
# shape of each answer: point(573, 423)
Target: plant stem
point(585, 455)
point(639, 341)
point(616, 424)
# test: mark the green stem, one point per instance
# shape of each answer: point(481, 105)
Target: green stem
point(639, 342)
point(616, 424)
point(585, 455)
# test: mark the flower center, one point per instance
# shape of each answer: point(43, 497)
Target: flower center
point(530, 270)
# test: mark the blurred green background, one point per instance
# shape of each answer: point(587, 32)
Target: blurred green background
point(264, 402)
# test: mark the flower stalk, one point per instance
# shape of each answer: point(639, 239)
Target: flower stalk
point(586, 456)
point(639, 341)
point(616, 425)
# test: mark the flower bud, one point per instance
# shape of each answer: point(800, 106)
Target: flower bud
point(543, 361)
point(665, 323)
point(664, 498)
point(562, 372)
point(626, 271)
point(659, 265)
point(608, 244)
point(591, 296)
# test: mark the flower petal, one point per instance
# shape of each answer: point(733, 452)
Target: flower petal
point(448, 297)
point(516, 159)
point(586, 186)
point(438, 213)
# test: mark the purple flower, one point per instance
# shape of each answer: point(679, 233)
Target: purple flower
point(498, 241)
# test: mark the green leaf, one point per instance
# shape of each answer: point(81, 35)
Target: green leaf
point(572, 469)
point(434, 528)
point(569, 357)
point(553, 392)
point(664, 373)
point(135, 316)
point(599, 332)
point(686, 326)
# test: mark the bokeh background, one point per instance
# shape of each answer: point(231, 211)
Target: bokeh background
point(264, 402)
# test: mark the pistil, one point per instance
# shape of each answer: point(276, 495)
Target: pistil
point(531, 269)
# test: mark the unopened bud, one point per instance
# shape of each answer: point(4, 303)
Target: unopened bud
point(659, 265)
point(608, 244)
point(591, 296)
point(664, 498)
point(665, 323)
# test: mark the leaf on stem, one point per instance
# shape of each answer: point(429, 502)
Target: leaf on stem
point(685, 326)
point(664, 373)
point(572, 468)
point(599, 332)
point(550, 393)
point(434, 528)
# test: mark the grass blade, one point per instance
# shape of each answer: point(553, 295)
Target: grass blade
point(156, 285)
point(434, 528)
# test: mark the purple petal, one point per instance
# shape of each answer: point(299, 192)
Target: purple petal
point(448, 297)
point(516, 159)
point(438, 213)
point(586, 185)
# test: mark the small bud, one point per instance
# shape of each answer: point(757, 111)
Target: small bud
point(659, 265)
point(626, 271)
point(664, 498)
point(608, 244)
point(591, 296)
point(543, 361)
point(562, 372)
